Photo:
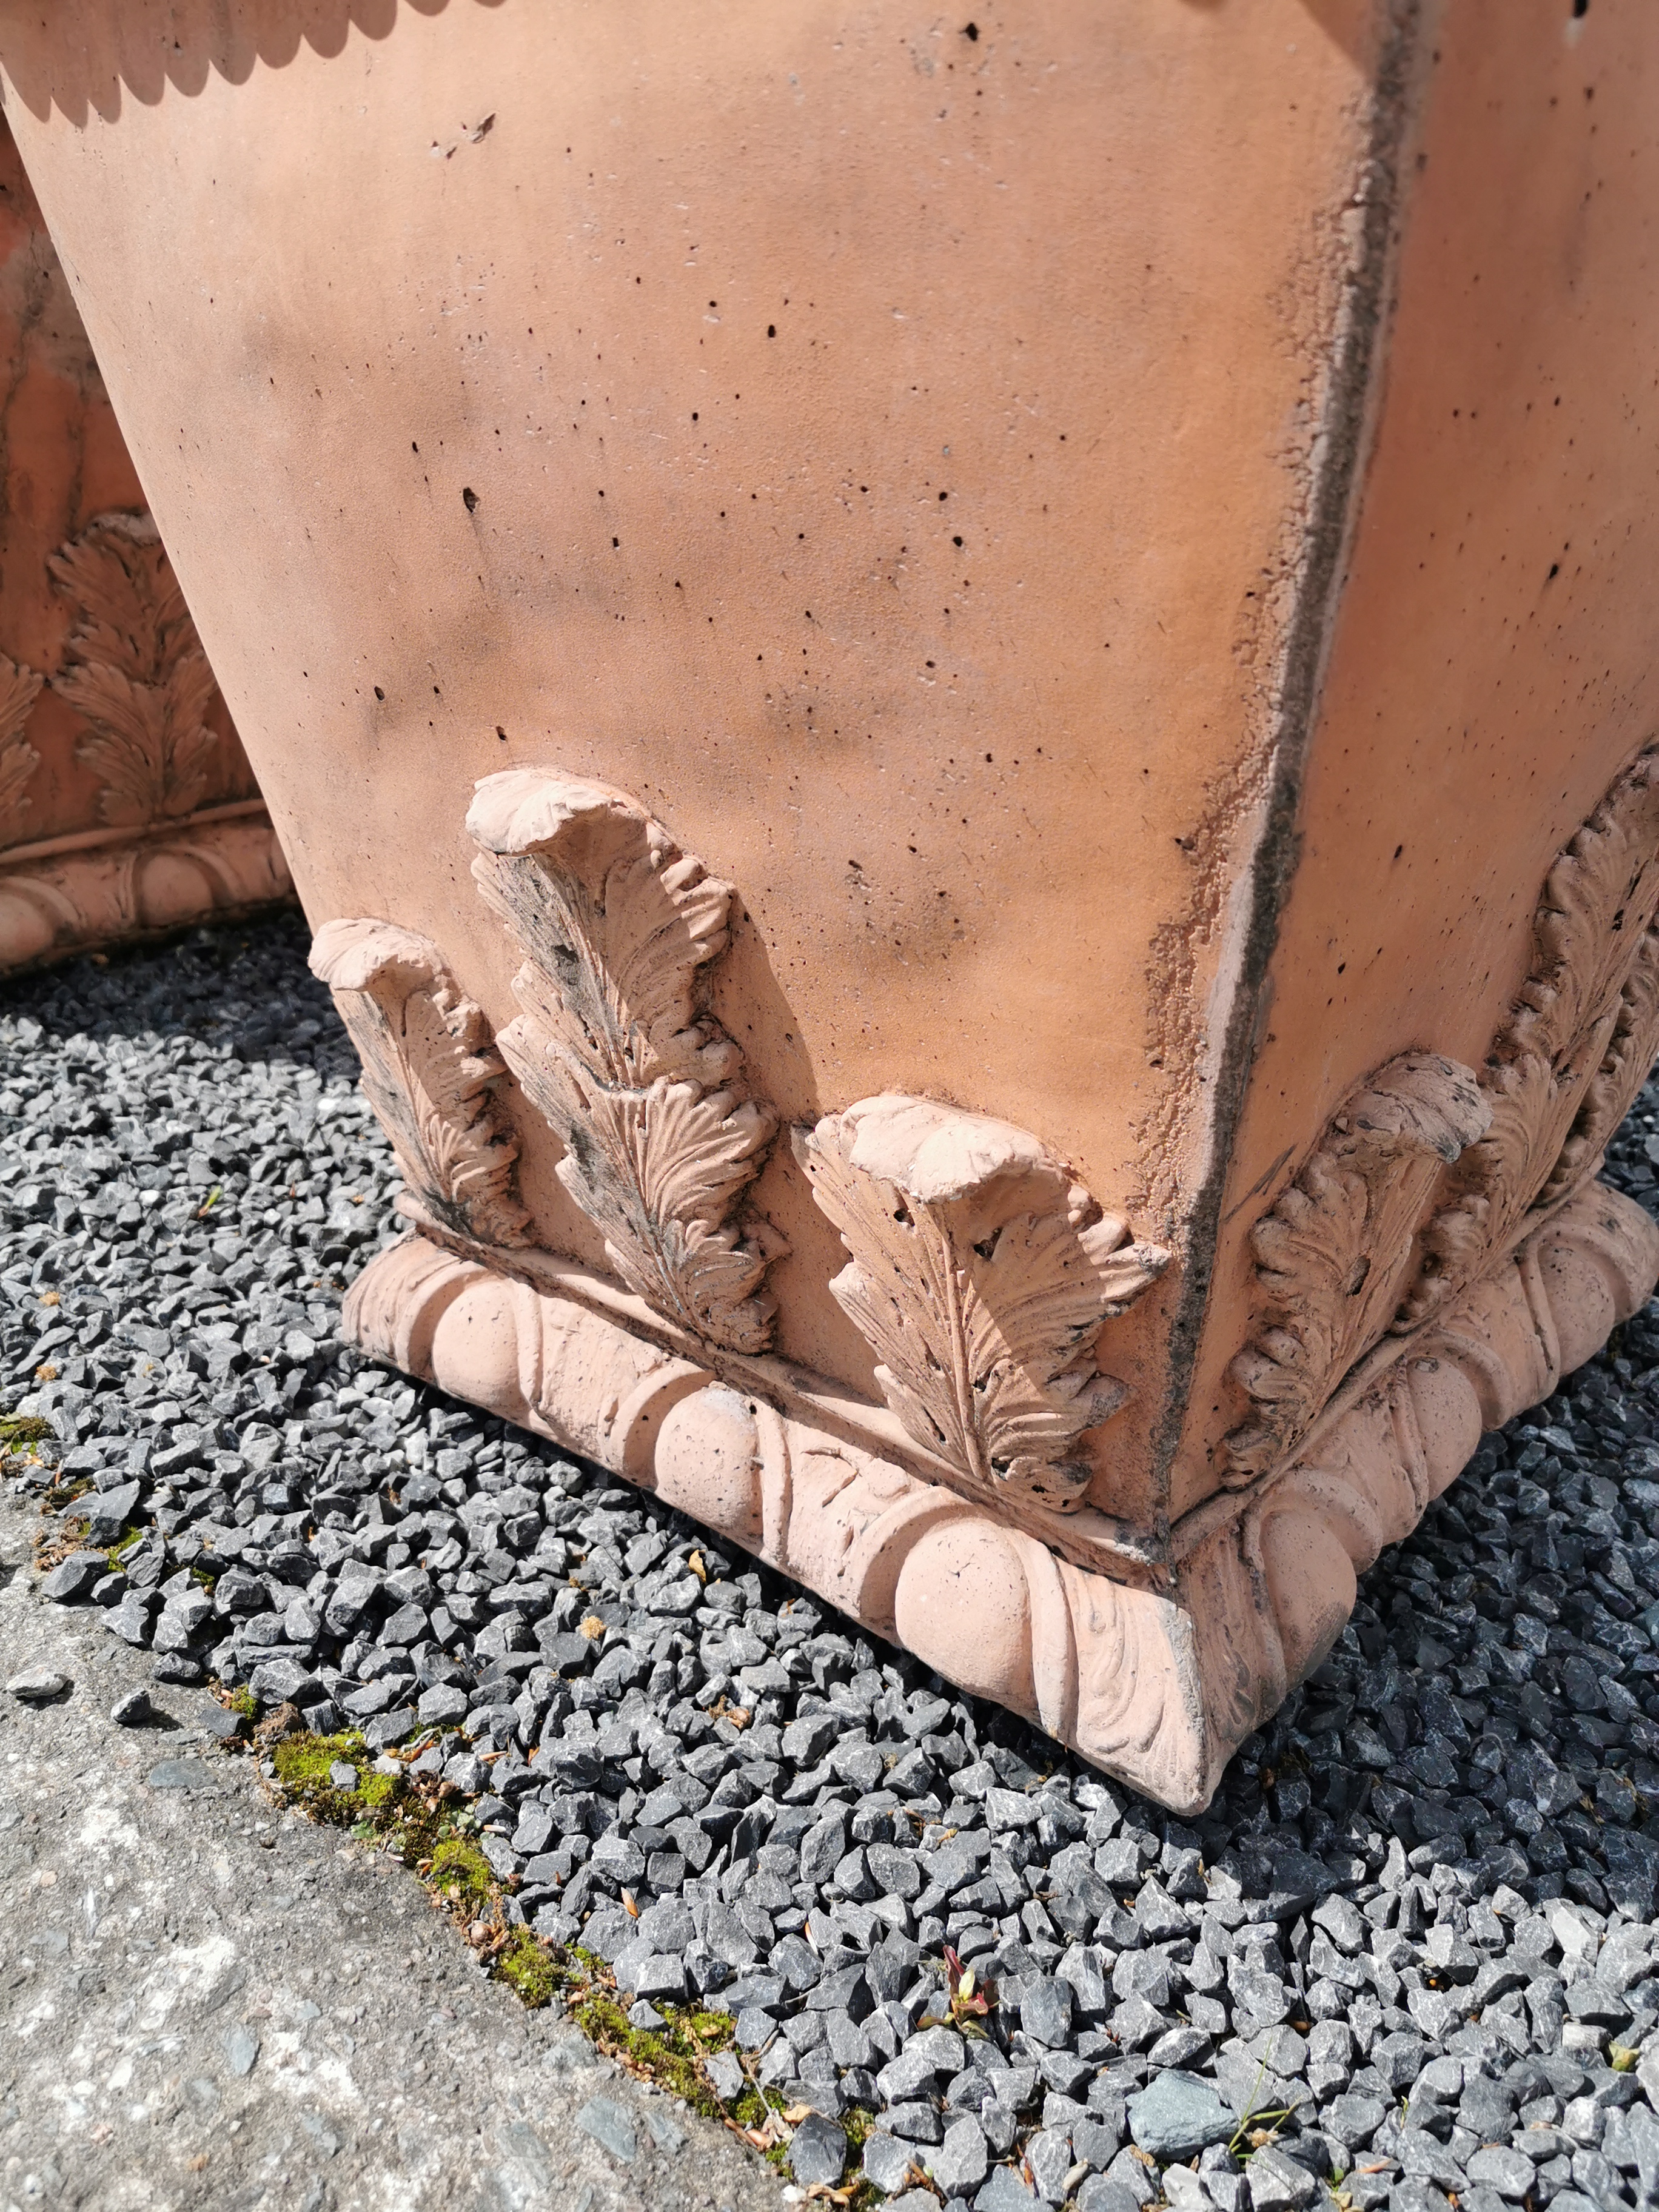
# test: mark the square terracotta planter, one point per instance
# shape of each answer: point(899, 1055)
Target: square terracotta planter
point(127, 805)
point(966, 738)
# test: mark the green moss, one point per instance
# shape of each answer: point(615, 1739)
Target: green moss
point(440, 1843)
point(303, 1761)
point(19, 1430)
point(858, 2124)
point(120, 1550)
point(671, 2055)
point(461, 1871)
point(244, 1702)
point(528, 1965)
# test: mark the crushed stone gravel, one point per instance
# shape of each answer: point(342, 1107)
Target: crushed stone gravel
point(209, 2002)
point(1412, 1940)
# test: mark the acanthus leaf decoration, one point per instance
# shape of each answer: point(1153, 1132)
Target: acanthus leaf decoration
point(1561, 1073)
point(980, 1274)
point(614, 1048)
point(1566, 1064)
point(136, 672)
point(1631, 1049)
point(428, 1071)
point(20, 687)
point(1336, 1249)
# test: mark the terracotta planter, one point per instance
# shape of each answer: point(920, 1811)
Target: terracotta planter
point(126, 804)
point(965, 735)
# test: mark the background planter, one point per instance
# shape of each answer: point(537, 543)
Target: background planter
point(965, 735)
point(126, 804)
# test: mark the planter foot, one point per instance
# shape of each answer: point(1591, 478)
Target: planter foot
point(57, 902)
point(1156, 1677)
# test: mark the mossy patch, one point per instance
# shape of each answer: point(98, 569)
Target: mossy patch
point(434, 1834)
point(19, 1432)
point(458, 1871)
point(302, 1762)
point(528, 1965)
point(122, 1549)
point(675, 2055)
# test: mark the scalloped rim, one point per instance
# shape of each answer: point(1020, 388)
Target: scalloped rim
point(1157, 1686)
point(70, 901)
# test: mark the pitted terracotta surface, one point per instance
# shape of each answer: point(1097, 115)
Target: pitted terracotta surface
point(493, 454)
point(71, 509)
point(1025, 584)
point(1490, 666)
point(62, 463)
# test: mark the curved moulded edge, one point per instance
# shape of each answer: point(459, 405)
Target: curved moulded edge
point(1155, 1683)
point(1095, 1661)
point(1269, 1590)
point(54, 903)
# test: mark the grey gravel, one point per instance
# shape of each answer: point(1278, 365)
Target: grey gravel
point(1419, 1918)
point(610, 2124)
point(206, 2001)
point(963, 2159)
point(1278, 2184)
point(1177, 2114)
point(36, 1685)
point(817, 2151)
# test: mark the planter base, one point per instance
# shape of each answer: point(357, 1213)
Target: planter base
point(1156, 1674)
point(73, 894)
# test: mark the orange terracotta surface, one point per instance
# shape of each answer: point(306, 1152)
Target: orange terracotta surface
point(1491, 666)
point(492, 453)
point(64, 472)
point(960, 707)
point(62, 462)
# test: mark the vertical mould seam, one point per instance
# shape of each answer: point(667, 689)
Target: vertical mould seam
point(1341, 450)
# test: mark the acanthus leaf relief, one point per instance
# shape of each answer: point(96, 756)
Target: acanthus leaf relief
point(18, 688)
point(429, 1071)
point(614, 1048)
point(1561, 1073)
point(1334, 1249)
point(134, 671)
point(981, 1275)
point(1611, 1089)
point(1574, 1041)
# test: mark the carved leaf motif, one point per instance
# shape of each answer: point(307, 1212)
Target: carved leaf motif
point(1333, 1252)
point(1569, 1049)
point(1598, 900)
point(642, 1088)
point(18, 688)
point(1562, 1070)
point(136, 672)
point(1631, 1049)
point(980, 1274)
point(428, 1068)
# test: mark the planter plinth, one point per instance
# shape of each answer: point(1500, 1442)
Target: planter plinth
point(1155, 1667)
point(963, 712)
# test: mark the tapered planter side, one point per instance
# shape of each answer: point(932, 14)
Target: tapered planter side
point(935, 725)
